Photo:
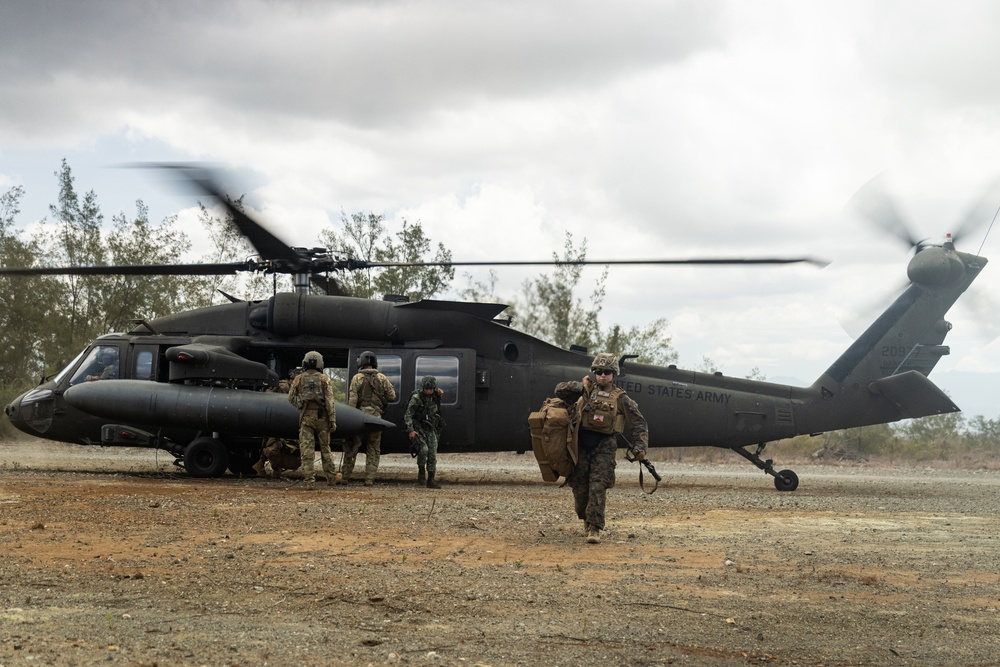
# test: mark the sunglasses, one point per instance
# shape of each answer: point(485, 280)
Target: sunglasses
point(601, 371)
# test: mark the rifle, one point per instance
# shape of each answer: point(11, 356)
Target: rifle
point(415, 445)
point(649, 466)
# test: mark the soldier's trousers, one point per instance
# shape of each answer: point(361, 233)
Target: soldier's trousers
point(593, 476)
point(373, 452)
point(427, 457)
point(311, 429)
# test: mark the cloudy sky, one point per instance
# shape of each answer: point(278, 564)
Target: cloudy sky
point(652, 129)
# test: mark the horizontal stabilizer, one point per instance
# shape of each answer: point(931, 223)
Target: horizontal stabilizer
point(914, 395)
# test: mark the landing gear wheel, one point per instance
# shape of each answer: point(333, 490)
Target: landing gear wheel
point(206, 457)
point(786, 480)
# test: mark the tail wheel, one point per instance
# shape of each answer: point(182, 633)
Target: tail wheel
point(206, 457)
point(786, 480)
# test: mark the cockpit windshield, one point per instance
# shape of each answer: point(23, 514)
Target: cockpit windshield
point(101, 363)
point(70, 366)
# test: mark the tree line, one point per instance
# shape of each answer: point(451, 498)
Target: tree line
point(47, 320)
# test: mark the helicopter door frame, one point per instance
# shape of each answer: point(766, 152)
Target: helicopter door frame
point(455, 369)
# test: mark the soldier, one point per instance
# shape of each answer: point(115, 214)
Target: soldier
point(280, 452)
point(423, 421)
point(370, 392)
point(605, 411)
point(105, 365)
point(312, 394)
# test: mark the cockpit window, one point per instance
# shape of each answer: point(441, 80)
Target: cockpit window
point(70, 366)
point(101, 364)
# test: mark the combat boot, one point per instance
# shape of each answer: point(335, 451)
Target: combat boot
point(594, 535)
point(431, 484)
point(421, 478)
point(310, 485)
point(369, 482)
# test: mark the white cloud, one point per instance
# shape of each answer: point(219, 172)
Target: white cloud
point(653, 129)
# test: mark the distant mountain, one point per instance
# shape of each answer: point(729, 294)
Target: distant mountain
point(975, 393)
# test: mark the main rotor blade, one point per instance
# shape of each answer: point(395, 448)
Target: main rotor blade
point(130, 270)
point(267, 245)
point(739, 261)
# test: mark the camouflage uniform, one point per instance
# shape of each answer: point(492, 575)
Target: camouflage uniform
point(370, 392)
point(317, 419)
point(280, 452)
point(423, 417)
point(595, 471)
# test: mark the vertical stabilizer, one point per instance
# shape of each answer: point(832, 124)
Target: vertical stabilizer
point(881, 377)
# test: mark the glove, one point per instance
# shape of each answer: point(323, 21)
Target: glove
point(639, 455)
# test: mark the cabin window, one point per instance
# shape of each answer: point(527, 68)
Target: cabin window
point(391, 366)
point(445, 369)
point(144, 365)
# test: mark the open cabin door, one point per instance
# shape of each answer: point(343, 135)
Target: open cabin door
point(454, 369)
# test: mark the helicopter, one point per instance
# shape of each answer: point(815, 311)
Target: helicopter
point(193, 383)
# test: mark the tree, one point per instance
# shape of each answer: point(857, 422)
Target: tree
point(227, 244)
point(935, 436)
point(76, 241)
point(478, 290)
point(365, 237)
point(548, 308)
point(21, 309)
point(74, 310)
point(137, 241)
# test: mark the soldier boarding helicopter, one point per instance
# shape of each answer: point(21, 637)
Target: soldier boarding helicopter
point(190, 383)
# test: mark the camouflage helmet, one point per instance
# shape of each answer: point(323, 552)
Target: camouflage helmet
point(605, 361)
point(429, 382)
point(367, 358)
point(313, 359)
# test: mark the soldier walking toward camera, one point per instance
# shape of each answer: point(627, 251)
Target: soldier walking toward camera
point(605, 411)
point(370, 392)
point(424, 423)
point(312, 394)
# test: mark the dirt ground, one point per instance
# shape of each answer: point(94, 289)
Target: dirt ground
point(114, 556)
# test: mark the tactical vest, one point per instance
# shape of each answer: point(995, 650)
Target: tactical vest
point(311, 388)
point(601, 414)
point(427, 413)
point(369, 394)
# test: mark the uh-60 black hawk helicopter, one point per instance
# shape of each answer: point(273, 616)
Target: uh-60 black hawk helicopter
point(191, 383)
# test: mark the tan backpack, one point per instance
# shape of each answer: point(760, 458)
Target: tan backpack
point(553, 438)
